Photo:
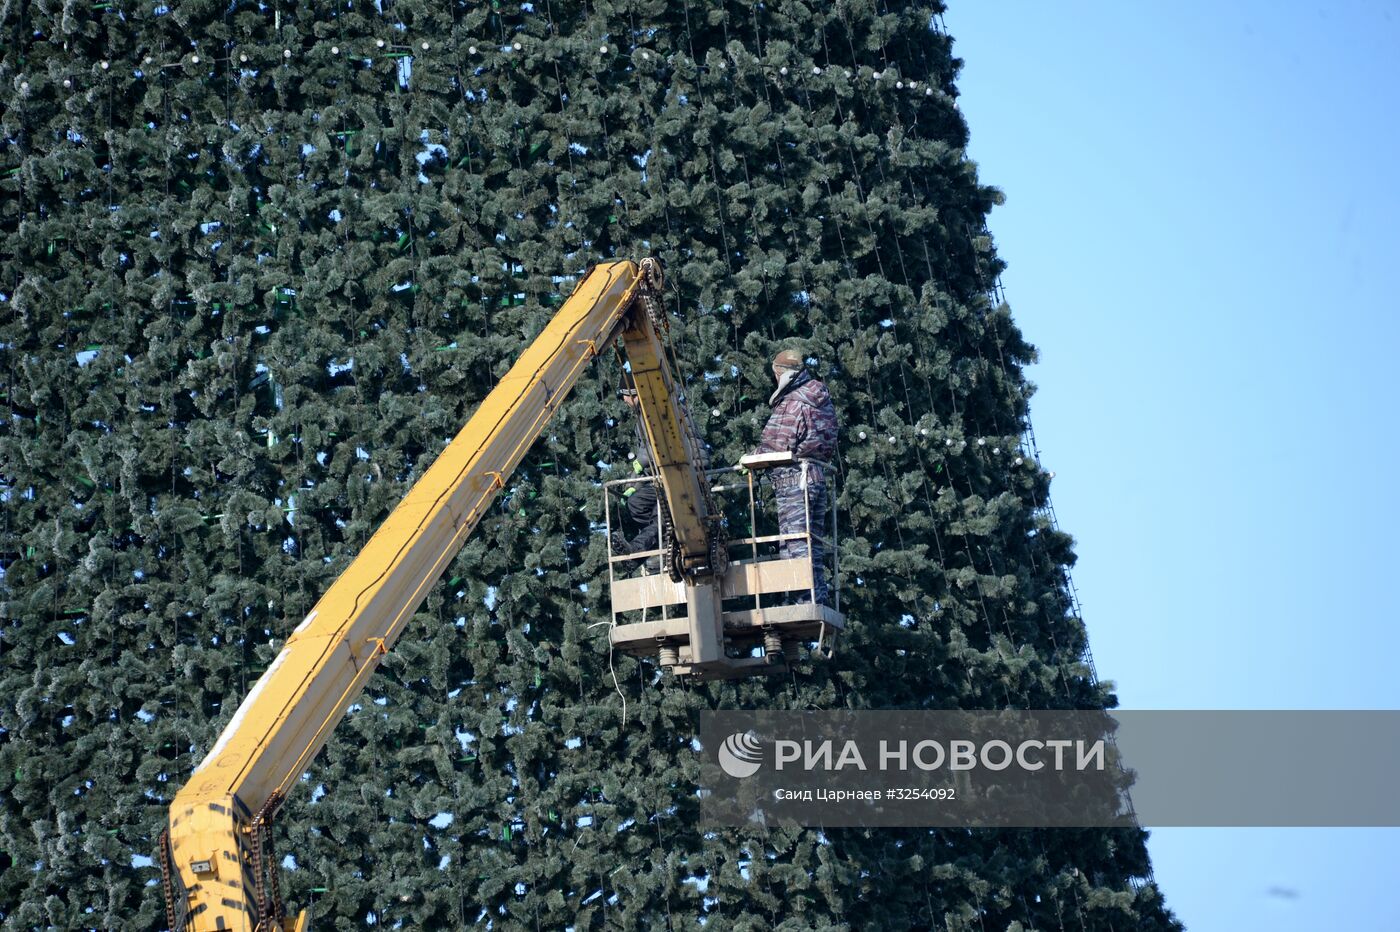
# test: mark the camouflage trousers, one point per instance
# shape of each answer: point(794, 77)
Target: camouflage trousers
point(795, 506)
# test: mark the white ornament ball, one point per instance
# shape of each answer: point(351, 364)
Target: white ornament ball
point(194, 59)
point(601, 48)
point(928, 92)
point(67, 83)
point(286, 53)
point(981, 441)
point(517, 46)
point(714, 412)
point(782, 70)
point(424, 46)
point(335, 50)
point(106, 65)
point(471, 50)
point(996, 449)
point(379, 43)
point(24, 85)
point(899, 85)
point(241, 57)
point(877, 75)
point(923, 431)
point(1019, 461)
point(861, 435)
point(816, 70)
point(891, 439)
point(1052, 475)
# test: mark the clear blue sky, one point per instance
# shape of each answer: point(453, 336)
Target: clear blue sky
point(1203, 231)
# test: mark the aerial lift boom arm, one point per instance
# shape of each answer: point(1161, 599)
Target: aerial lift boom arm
point(696, 538)
point(216, 858)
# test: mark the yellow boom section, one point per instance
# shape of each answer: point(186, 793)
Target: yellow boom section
point(675, 450)
point(216, 863)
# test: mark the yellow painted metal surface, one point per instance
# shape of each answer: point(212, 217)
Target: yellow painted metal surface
point(290, 712)
point(674, 448)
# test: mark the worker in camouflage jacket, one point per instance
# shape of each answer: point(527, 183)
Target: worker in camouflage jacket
point(803, 423)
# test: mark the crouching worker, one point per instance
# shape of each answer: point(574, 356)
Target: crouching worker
point(803, 423)
point(640, 529)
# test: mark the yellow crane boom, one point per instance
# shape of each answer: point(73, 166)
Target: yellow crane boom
point(215, 855)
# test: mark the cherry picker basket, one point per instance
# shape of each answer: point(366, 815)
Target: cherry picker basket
point(762, 609)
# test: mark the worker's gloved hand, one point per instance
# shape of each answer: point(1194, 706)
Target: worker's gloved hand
point(619, 544)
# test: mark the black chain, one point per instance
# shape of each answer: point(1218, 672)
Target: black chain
point(167, 879)
point(269, 892)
